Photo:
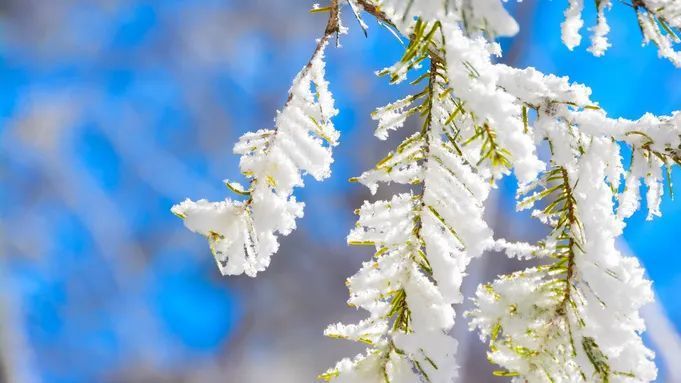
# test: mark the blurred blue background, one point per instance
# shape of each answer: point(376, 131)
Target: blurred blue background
point(113, 110)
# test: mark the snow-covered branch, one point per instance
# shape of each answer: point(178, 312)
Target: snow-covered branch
point(574, 317)
point(545, 323)
point(242, 233)
point(424, 240)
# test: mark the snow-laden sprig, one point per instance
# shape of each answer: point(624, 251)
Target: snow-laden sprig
point(548, 323)
point(424, 240)
point(572, 24)
point(576, 318)
point(586, 147)
point(564, 110)
point(659, 21)
point(599, 32)
point(475, 79)
point(552, 319)
point(472, 78)
point(242, 233)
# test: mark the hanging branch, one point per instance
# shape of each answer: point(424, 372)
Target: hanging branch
point(240, 233)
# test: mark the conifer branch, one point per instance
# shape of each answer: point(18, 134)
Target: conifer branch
point(240, 238)
point(479, 121)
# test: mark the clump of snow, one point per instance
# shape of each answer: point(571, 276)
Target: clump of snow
point(243, 234)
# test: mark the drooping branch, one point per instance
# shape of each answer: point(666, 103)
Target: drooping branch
point(240, 232)
point(424, 239)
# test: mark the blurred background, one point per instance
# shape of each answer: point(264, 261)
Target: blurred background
point(113, 110)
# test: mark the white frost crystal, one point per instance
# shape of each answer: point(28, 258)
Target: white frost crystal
point(243, 234)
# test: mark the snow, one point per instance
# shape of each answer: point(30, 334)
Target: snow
point(576, 317)
point(243, 235)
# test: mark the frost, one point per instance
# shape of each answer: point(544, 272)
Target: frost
point(243, 234)
point(424, 241)
point(599, 39)
point(572, 24)
point(391, 117)
point(475, 79)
